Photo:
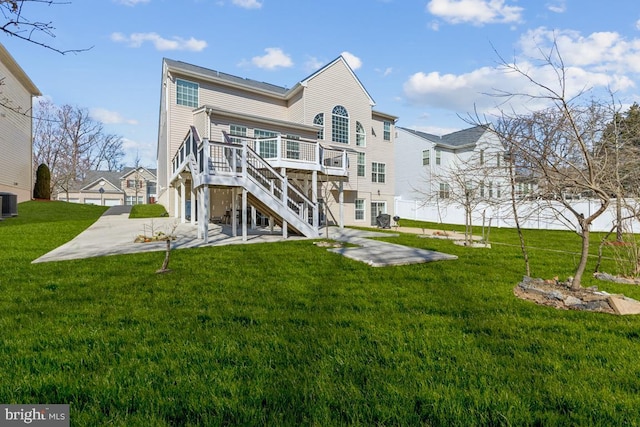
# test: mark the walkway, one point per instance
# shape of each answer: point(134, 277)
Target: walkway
point(114, 233)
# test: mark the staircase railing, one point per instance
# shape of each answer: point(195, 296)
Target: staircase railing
point(244, 159)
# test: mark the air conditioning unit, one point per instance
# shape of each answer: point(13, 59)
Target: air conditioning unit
point(9, 204)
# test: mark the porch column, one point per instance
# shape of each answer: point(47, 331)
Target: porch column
point(314, 198)
point(194, 200)
point(176, 200)
point(243, 215)
point(234, 212)
point(253, 218)
point(285, 200)
point(341, 202)
point(199, 202)
point(183, 202)
point(205, 212)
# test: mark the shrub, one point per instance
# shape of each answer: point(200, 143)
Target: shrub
point(42, 187)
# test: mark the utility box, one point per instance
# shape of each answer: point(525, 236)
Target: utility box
point(9, 204)
point(383, 221)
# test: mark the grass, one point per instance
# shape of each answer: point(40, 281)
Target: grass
point(148, 211)
point(291, 334)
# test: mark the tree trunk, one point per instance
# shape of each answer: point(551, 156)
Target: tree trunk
point(165, 263)
point(584, 255)
point(618, 217)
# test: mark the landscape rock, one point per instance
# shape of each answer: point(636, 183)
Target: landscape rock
point(560, 295)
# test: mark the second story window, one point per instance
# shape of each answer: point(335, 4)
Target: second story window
point(238, 133)
point(386, 135)
point(378, 172)
point(438, 157)
point(186, 93)
point(361, 164)
point(340, 125)
point(361, 136)
point(319, 120)
point(426, 157)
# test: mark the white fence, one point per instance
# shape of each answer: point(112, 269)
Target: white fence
point(532, 214)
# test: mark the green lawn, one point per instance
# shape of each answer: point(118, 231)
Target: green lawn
point(291, 334)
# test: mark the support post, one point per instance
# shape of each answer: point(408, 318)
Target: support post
point(234, 213)
point(341, 202)
point(194, 200)
point(314, 199)
point(243, 215)
point(183, 202)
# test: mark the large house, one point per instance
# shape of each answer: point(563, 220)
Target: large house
point(130, 186)
point(436, 176)
point(241, 151)
point(16, 128)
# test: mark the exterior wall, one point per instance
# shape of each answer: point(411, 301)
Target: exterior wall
point(144, 177)
point(417, 185)
point(335, 85)
point(331, 86)
point(15, 136)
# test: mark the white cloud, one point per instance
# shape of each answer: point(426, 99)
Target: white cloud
point(110, 117)
point(557, 6)
point(386, 72)
point(601, 51)
point(160, 43)
point(598, 62)
point(145, 152)
point(638, 24)
point(131, 2)
point(248, 4)
point(312, 64)
point(476, 12)
point(274, 58)
point(353, 61)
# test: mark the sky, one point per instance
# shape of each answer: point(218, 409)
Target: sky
point(430, 63)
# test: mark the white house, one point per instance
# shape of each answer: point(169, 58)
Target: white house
point(436, 175)
point(16, 128)
point(235, 148)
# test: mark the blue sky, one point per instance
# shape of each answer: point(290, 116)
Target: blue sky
point(427, 62)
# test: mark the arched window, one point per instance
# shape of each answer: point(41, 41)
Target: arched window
point(340, 124)
point(319, 120)
point(361, 136)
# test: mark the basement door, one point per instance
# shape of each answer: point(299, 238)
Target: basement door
point(377, 208)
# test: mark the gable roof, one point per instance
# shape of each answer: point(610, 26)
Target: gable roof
point(224, 78)
point(340, 58)
point(254, 85)
point(459, 139)
point(17, 71)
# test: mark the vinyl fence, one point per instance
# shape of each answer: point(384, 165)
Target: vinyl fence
point(532, 214)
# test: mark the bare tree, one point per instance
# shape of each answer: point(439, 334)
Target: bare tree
point(16, 22)
point(71, 143)
point(557, 145)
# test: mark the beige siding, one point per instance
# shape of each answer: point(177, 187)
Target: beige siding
point(15, 138)
point(336, 85)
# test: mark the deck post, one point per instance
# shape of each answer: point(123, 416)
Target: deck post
point(183, 202)
point(243, 214)
point(194, 200)
point(314, 199)
point(176, 200)
point(205, 213)
point(234, 212)
point(341, 201)
point(285, 201)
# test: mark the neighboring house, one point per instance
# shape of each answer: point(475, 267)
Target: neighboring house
point(130, 186)
point(230, 147)
point(16, 128)
point(430, 168)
